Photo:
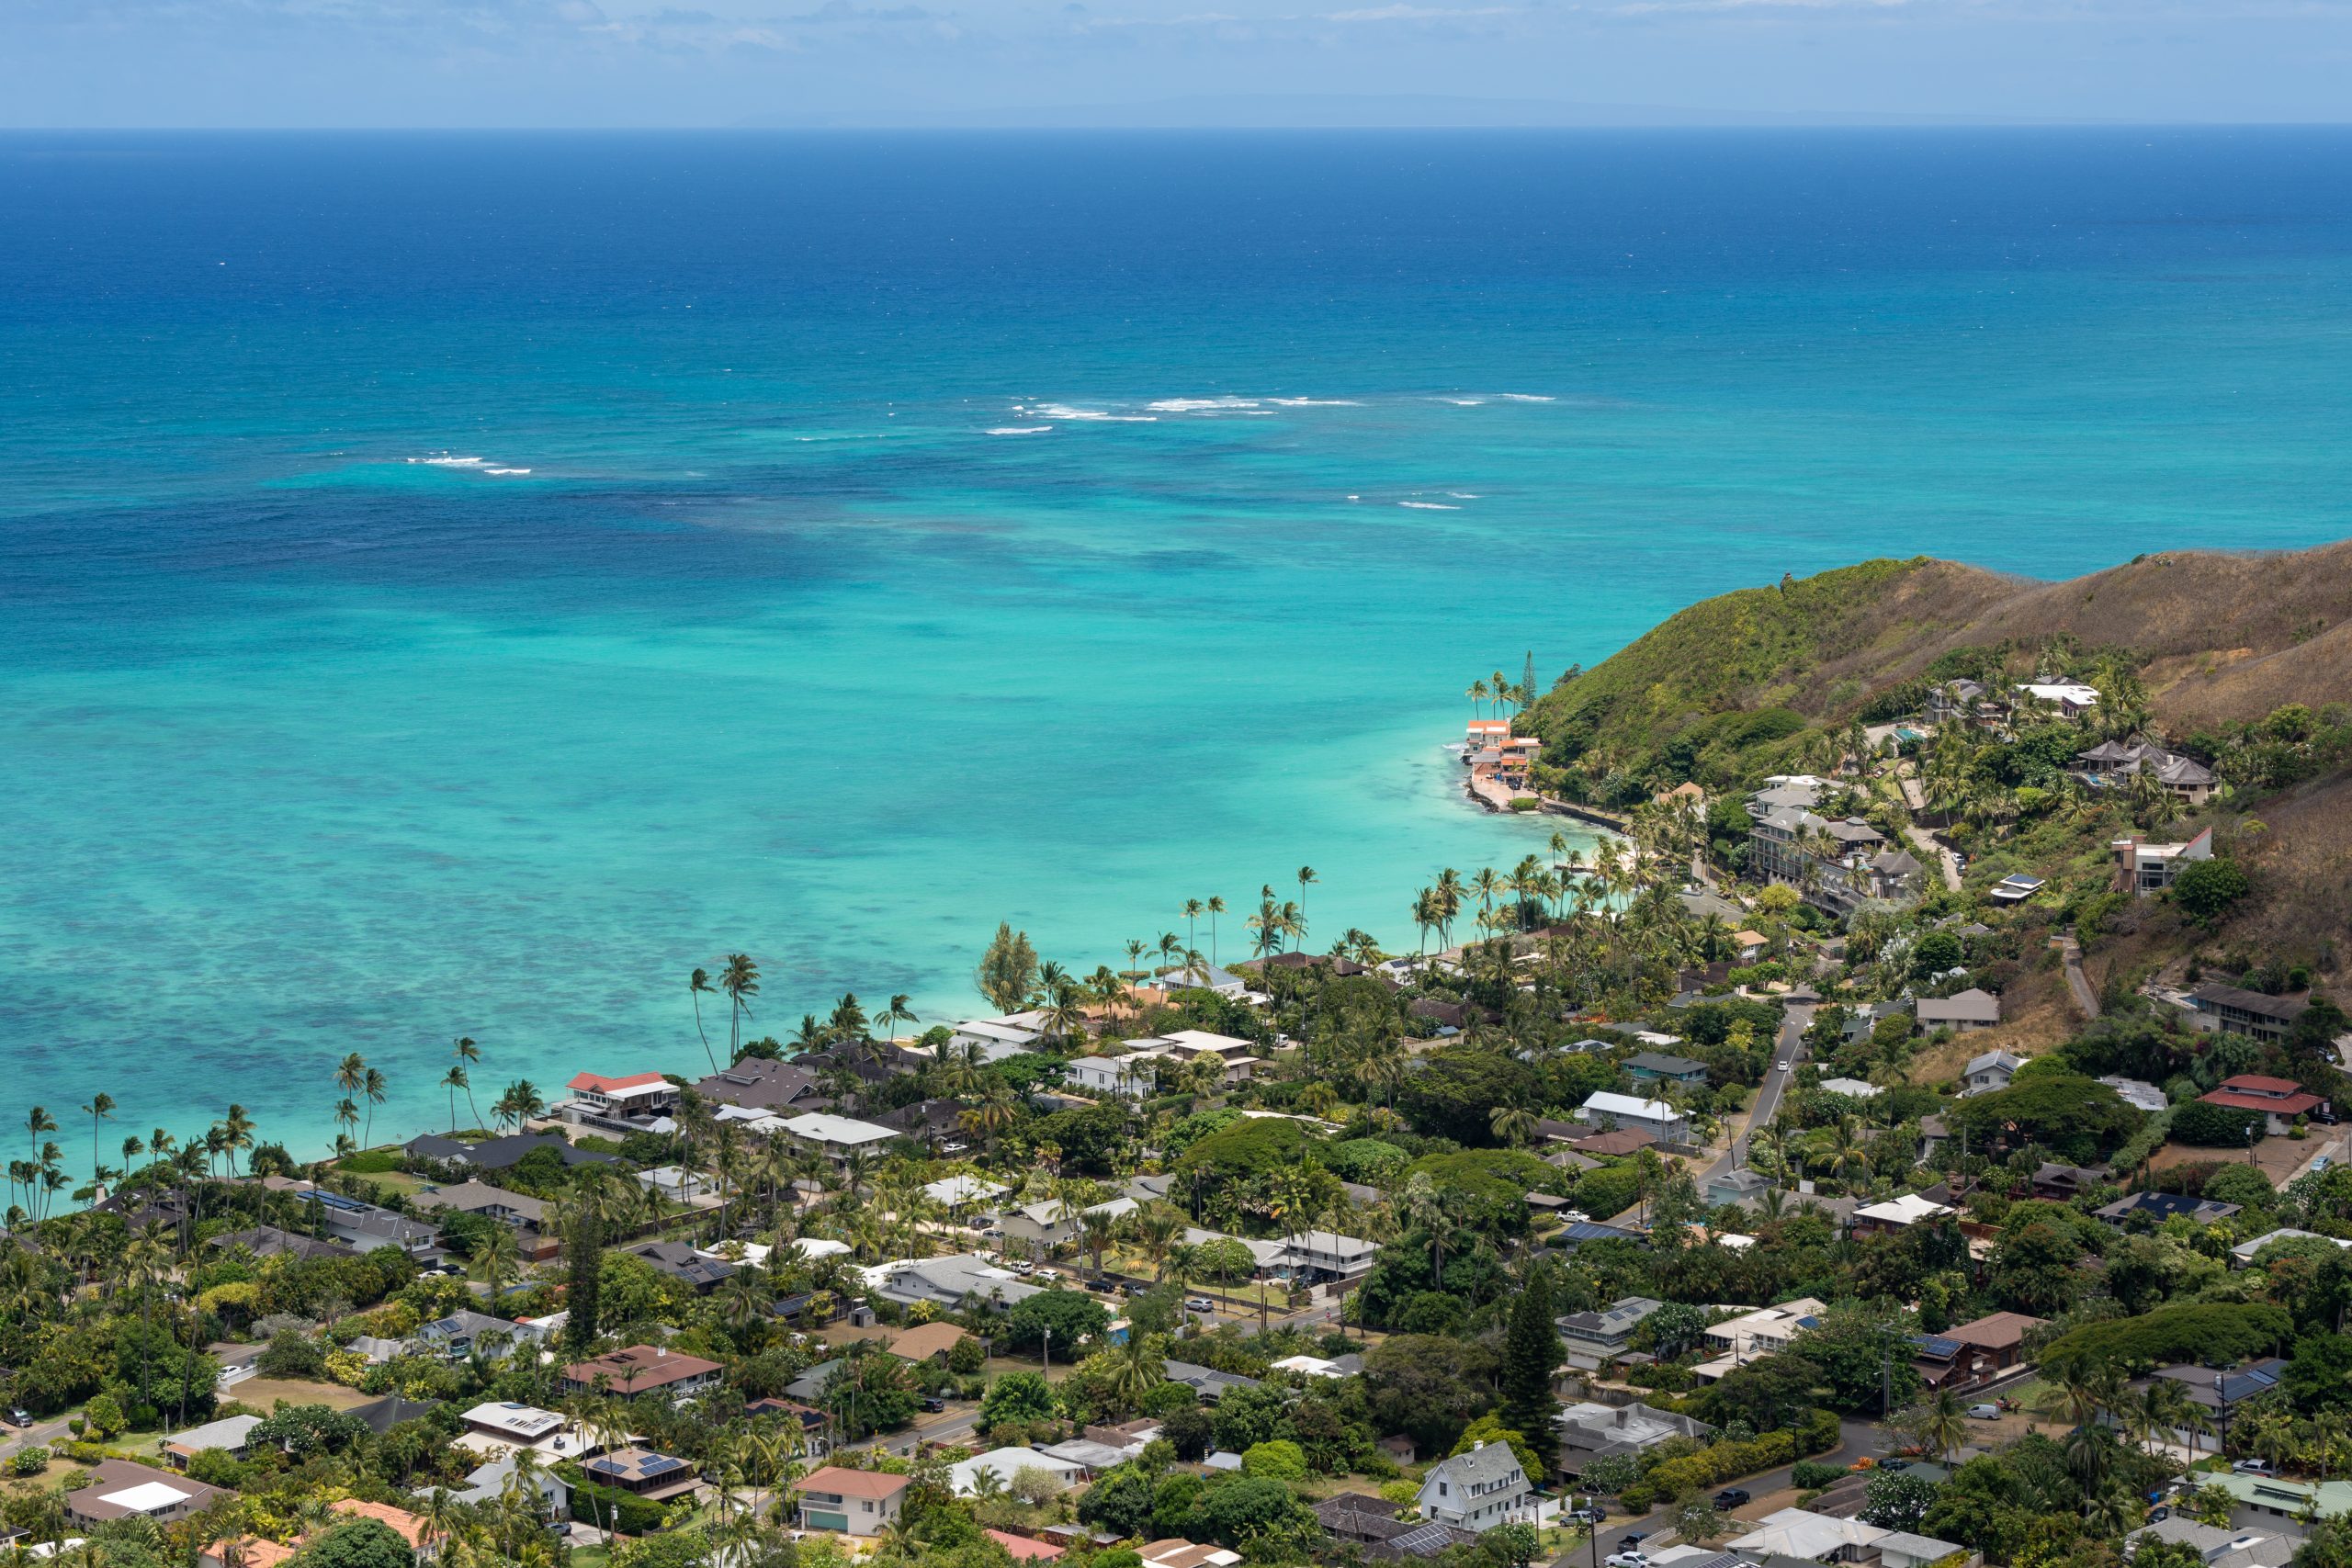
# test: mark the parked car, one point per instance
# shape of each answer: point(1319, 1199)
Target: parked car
point(1983, 1413)
point(1628, 1560)
point(1199, 1303)
point(1587, 1515)
point(1633, 1538)
point(933, 1403)
point(20, 1417)
point(1049, 1275)
point(1732, 1497)
point(1895, 1462)
point(1134, 1288)
point(2252, 1467)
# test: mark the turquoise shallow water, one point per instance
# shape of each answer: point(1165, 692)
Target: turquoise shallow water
point(313, 746)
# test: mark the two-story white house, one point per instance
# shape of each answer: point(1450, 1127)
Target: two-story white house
point(1476, 1491)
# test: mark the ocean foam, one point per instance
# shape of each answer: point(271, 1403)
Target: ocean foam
point(446, 461)
point(1463, 494)
point(1064, 411)
point(1200, 405)
point(1428, 506)
point(1465, 402)
point(1315, 402)
point(1020, 430)
point(506, 471)
point(1524, 397)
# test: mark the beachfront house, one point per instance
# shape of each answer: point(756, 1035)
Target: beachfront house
point(994, 1039)
point(758, 1083)
point(635, 1102)
point(1131, 1076)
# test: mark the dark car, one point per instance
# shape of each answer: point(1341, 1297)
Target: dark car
point(933, 1403)
point(1897, 1463)
point(1633, 1538)
point(1731, 1497)
point(20, 1417)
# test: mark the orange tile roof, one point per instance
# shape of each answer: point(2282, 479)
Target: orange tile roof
point(599, 1081)
point(873, 1484)
point(1023, 1549)
point(410, 1527)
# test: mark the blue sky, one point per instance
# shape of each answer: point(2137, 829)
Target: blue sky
point(729, 62)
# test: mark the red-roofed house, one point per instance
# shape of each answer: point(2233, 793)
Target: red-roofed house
point(2282, 1099)
point(1023, 1549)
point(623, 1105)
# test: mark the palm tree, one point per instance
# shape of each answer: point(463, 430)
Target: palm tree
point(1192, 913)
point(1478, 696)
point(1305, 876)
point(740, 978)
point(454, 1080)
point(1216, 908)
point(1134, 959)
point(901, 1010)
point(697, 987)
point(1514, 1124)
point(1168, 948)
point(236, 1132)
point(99, 1111)
point(467, 1054)
point(494, 1261)
point(373, 1088)
point(1942, 1423)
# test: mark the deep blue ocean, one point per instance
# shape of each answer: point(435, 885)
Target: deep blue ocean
point(457, 584)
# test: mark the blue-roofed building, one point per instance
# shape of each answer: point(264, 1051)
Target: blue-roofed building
point(1576, 1232)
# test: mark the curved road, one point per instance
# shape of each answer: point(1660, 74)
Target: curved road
point(1855, 1439)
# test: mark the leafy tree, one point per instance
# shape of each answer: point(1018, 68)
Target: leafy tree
point(2208, 889)
point(1008, 970)
point(1937, 952)
point(1864, 1360)
point(1237, 1508)
point(2320, 1377)
point(2203, 1123)
point(1277, 1457)
point(359, 1543)
point(1487, 1429)
point(1119, 1503)
point(1017, 1399)
point(1768, 1393)
point(1675, 1327)
point(1897, 1500)
point(1072, 1315)
point(1191, 1432)
point(2077, 1118)
point(1611, 1474)
point(1695, 1518)
point(1248, 1416)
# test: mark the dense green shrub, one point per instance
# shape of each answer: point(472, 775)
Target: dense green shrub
point(1811, 1475)
point(2206, 1125)
point(2193, 1331)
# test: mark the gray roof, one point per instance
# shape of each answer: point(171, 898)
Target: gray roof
point(473, 1196)
point(1669, 1066)
point(1970, 1006)
point(1208, 1380)
point(1487, 1463)
point(497, 1154)
point(756, 1083)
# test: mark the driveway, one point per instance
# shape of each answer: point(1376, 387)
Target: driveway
point(40, 1435)
point(1790, 1048)
point(2070, 957)
point(1926, 842)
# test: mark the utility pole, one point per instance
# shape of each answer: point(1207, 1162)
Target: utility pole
point(1046, 1363)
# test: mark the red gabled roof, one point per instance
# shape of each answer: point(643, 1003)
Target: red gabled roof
point(599, 1082)
point(2254, 1083)
point(2278, 1105)
point(1023, 1548)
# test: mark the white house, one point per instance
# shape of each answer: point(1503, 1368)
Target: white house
point(998, 1038)
point(836, 1136)
point(1476, 1491)
point(2070, 697)
point(674, 1182)
point(1630, 1112)
point(956, 1193)
point(1819, 1538)
point(1971, 1010)
point(1993, 1070)
point(1130, 1075)
point(962, 1478)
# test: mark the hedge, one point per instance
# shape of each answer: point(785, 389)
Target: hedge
point(624, 1511)
point(1719, 1462)
point(2192, 1331)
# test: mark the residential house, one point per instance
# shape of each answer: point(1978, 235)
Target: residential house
point(1614, 1143)
point(949, 1282)
point(1206, 1382)
point(1897, 1214)
point(690, 1267)
point(757, 1083)
point(231, 1435)
point(2237, 1011)
point(2214, 1546)
point(2063, 1183)
point(2158, 1207)
point(1174, 1552)
point(2070, 698)
point(1990, 1071)
point(1184, 1048)
point(500, 1428)
point(1326, 1255)
point(835, 1138)
point(1043, 1227)
point(994, 1039)
point(1902, 1549)
point(852, 1502)
point(1736, 1186)
point(2268, 1504)
point(1372, 1525)
point(500, 1154)
point(642, 1368)
point(487, 1483)
point(677, 1184)
point(2214, 1392)
point(381, 1416)
point(1619, 1112)
point(1591, 1431)
point(1206, 977)
point(268, 1241)
point(2282, 1100)
point(365, 1228)
point(2242, 1255)
point(1476, 1491)
point(1972, 1010)
point(1852, 1089)
point(1956, 702)
point(1603, 1334)
point(2142, 868)
point(116, 1489)
point(523, 1215)
point(464, 1331)
point(2138, 1093)
point(633, 1104)
point(2014, 889)
point(964, 1476)
point(960, 1195)
point(1767, 1331)
point(2116, 762)
point(643, 1474)
point(1132, 1076)
point(812, 1424)
point(1649, 1066)
point(1810, 1536)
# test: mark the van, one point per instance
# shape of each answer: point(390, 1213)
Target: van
point(1983, 1413)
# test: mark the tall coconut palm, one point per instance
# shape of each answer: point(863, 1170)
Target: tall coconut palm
point(901, 1009)
point(467, 1054)
point(1216, 907)
point(1514, 1124)
point(452, 1080)
point(99, 1111)
point(699, 986)
point(1306, 877)
point(373, 1088)
point(1192, 913)
point(740, 978)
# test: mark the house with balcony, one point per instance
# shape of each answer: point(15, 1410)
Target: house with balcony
point(1131, 1077)
point(1627, 1112)
point(2115, 763)
point(633, 1104)
point(642, 1368)
point(1767, 1331)
point(852, 1502)
point(1964, 1013)
point(2144, 870)
point(2070, 699)
point(1993, 1070)
point(2235, 1012)
point(1650, 1066)
point(1600, 1336)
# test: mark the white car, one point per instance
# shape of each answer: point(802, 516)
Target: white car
point(1049, 1275)
point(1781, 1066)
point(1629, 1560)
point(1199, 1303)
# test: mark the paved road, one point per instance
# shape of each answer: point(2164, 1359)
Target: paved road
point(1790, 1048)
point(1944, 857)
point(41, 1434)
point(2070, 958)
